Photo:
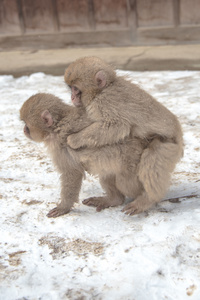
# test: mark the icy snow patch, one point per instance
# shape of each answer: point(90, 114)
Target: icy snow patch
point(90, 255)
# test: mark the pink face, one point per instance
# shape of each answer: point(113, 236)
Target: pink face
point(76, 96)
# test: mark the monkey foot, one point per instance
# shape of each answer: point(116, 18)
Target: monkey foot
point(56, 212)
point(139, 205)
point(98, 202)
point(133, 209)
point(136, 207)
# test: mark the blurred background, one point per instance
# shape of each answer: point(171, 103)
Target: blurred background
point(66, 24)
point(26, 24)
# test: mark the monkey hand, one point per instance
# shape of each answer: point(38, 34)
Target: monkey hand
point(57, 211)
point(74, 141)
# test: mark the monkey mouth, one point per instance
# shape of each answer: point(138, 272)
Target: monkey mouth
point(76, 100)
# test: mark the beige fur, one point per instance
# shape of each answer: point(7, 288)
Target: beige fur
point(49, 120)
point(119, 110)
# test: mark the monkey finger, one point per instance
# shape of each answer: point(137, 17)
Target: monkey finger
point(56, 212)
point(126, 208)
point(87, 202)
point(90, 201)
point(133, 212)
point(130, 209)
point(53, 213)
point(100, 208)
point(130, 212)
point(98, 202)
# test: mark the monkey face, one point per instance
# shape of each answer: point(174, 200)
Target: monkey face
point(75, 85)
point(27, 131)
point(76, 95)
point(38, 120)
point(33, 133)
point(87, 77)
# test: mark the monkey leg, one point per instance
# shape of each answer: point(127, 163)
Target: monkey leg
point(113, 196)
point(156, 164)
point(70, 187)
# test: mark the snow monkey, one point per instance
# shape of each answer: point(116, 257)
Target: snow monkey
point(48, 119)
point(119, 109)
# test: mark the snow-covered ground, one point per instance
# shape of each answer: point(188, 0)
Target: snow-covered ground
point(90, 255)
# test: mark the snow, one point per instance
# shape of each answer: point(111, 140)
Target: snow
point(90, 255)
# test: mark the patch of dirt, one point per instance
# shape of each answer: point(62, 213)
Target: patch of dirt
point(177, 200)
point(15, 258)
point(32, 202)
point(192, 176)
point(15, 268)
point(82, 294)
point(60, 248)
point(190, 290)
point(188, 255)
point(8, 180)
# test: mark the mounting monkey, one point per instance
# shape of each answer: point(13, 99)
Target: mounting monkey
point(118, 110)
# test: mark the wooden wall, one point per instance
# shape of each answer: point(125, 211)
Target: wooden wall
point(67, 23)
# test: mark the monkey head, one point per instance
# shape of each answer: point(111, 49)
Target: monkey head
point(40, 114)
point(87, 77)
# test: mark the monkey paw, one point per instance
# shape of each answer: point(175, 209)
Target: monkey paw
point(99, 202)
point(132, 209)
point(56, 212)
point(74, 141)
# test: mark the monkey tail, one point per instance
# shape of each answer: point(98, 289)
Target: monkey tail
point(155, 167)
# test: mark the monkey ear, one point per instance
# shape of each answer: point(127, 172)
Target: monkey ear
point(100, 79)
point(47, 118)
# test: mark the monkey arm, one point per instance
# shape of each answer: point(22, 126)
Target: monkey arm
point(75, 121)
point(71, 181)
point(68, 128)
point(99, 134)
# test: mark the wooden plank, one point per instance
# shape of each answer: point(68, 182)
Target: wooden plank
point(110, 14)
point(73, 15)
point(132, 18)
point(38, 16)
point(151, 36)
point(176, 9)
point(168, 35)
point(152, 13)
point(97, 23)
point(190, 12)
point(9, 18)
point(63, 40)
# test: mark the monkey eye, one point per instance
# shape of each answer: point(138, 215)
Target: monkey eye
point(75, 88)
point(27, 129)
